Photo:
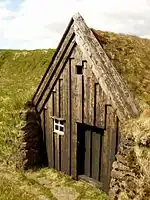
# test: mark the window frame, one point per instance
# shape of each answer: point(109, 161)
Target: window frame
point(60, 123)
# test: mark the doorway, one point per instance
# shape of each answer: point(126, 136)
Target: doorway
point(89, 151)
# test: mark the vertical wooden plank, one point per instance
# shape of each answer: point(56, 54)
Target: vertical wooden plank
point(76, 112)
point(89, 82)
point(56, 151)
point(95, 154)
point(61, 138)
point(113, 141)
point(104, 157)
point(100, 100)
point(79, 99)
point(73, 118)
point(57, 113)
point(107, 148)
point(66, 106)
point(55, 136)
point(49, 132)
point(42, 120)
point(80, 149)
point(87, 164)
point(86, 97)
point(100, 154)
point(91, 100)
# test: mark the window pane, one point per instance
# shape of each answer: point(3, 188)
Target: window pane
point(61, 128)
point(56, 121)
point(61, 122)
point(56, 127)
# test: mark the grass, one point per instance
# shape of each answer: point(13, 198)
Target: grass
point(20, 73)
point(42, 184)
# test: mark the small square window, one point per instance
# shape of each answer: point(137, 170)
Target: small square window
point(59, 126)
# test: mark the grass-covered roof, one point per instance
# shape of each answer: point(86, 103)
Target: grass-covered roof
point(131, 57)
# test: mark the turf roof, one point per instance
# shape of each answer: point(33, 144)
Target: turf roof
point(131, 57)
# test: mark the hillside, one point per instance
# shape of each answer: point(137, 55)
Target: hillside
point(20, 73)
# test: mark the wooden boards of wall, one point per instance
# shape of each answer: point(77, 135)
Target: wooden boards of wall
point(94, 100)
point(109, 144)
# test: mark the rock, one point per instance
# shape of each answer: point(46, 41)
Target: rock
point(127, 181)
point(32, 140)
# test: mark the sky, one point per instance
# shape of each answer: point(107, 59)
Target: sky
point(36, 24)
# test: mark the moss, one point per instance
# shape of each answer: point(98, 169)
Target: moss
point(130, 56)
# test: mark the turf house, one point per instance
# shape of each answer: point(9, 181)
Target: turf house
point(89, 89)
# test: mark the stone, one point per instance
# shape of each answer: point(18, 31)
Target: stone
point(127, 180)
point(120, 166)
point(32, 148)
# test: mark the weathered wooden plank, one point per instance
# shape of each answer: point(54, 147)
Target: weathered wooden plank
point(42, 120)
point(87, 165)
point(104, 71)
point(54, 134)
point(76, 106)
point(112, 130)
point(74, 117)
point(49, 132)
point(66, 138)
point(61, 138)
point(100, 155)
point(56, 74)
point(80, 149)
point(89, 82)
point(56, 113)
point(91, 98)
point(100, 99)
point(108, 144)
point(95, 154)
point(86, 98)
point(105, 155)
point(79, 97)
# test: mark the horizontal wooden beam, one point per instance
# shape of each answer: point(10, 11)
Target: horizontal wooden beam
point(106, 74)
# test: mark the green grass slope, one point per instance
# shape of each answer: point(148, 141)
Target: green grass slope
point(20, 73)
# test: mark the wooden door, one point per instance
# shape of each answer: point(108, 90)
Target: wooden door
point(89, 151)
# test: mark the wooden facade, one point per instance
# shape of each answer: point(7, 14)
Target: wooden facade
point(74, 94)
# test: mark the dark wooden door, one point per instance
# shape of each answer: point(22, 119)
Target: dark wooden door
point(80, 149)
point(89, 151)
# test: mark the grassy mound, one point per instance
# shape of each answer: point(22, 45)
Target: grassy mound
point(20, 73)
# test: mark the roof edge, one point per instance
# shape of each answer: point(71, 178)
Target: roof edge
point(106, 74)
